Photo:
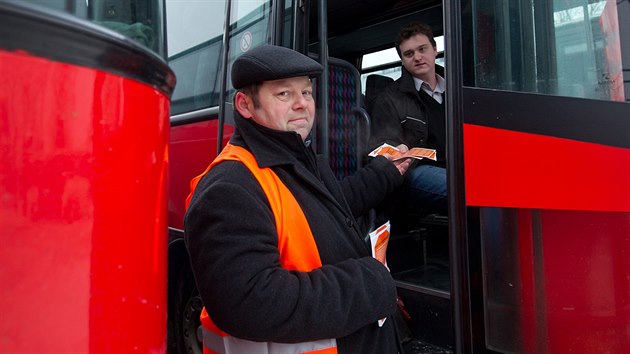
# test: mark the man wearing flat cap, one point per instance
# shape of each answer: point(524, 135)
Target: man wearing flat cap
point(279, 260)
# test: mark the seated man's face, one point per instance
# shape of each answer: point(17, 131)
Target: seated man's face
point(286, 105)
point(418, 56)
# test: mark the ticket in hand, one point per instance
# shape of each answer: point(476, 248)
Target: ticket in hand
point(379, 239)
point(415, 153)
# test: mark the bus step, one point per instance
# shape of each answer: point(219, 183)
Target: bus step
point(416, 346)
point(429, 310)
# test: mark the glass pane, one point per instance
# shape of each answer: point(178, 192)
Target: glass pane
point(562, 47)
point(140, 20)
point(556, 281)
point(195, 44)
point(394, 73)
point(502, 279)
point(250, 26)
point(288, 24)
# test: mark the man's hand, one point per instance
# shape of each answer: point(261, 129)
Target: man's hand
point(402, 164)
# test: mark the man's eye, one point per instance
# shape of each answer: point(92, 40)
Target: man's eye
point(283, 94)
point(307, 93)
point(408, 54)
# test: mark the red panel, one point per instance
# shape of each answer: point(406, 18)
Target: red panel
point(82, 209)
point(192, 148)
point(505, 168)
point(586, 281)
point(574, 282)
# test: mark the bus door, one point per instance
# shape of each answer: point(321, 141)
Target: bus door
point(417, 252)
point(546, 161)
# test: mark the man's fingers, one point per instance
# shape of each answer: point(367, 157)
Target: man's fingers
point(402, 148)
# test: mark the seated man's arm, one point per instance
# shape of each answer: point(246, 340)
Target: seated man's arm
point(385, 123)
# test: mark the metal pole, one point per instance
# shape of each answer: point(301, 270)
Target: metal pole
point(224, 65)
point(458, 240)
point(323, 81)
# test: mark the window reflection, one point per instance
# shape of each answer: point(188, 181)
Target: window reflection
point(565, 47)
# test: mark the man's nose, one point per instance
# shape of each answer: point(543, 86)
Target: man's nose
point(300, 101)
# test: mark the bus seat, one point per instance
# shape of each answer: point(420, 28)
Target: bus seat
point(374, 85)
point(349, 123)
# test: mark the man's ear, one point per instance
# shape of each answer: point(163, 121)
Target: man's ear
point(244, 104)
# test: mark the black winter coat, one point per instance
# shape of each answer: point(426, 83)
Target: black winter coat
point(231, 236)
point(402, 115)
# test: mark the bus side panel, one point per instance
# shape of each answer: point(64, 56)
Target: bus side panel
point(192, 147)
point(505, 168)
point(83, 209)
point(556, 237)
point(586, 280)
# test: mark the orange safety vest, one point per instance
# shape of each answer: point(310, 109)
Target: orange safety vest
point(298, 251)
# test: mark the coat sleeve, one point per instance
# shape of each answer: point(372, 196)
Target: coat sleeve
point(370, 185)
point(231, 237)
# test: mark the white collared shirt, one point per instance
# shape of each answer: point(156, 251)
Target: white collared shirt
point(439, 87)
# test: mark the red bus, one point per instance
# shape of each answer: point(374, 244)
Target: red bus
point(84, 109)
point(533, 255)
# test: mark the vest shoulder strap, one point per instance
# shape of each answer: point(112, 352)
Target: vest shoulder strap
point(298, 250)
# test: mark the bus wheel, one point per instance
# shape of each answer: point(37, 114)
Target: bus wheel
point(183, 312)
point(191, 326)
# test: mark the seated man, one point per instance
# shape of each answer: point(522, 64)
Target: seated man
point(411, 111)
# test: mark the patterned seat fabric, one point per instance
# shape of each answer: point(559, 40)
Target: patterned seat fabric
point(347, 129)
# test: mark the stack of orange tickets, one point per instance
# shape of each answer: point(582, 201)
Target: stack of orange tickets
point(379, 239)
point(415, 153)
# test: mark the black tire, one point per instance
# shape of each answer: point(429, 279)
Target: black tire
point(184, 336)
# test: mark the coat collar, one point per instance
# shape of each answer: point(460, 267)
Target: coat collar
point(273, 148)
point(406, 83)
point(270, 147)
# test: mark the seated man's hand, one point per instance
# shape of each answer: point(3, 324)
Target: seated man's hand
point(402, 164)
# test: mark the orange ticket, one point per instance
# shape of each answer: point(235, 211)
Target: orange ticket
point(415, 153)
point(379, 239)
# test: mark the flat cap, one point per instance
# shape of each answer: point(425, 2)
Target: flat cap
point(270, 62)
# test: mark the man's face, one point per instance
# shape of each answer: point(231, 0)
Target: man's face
point(418, 56)
point(286, 105)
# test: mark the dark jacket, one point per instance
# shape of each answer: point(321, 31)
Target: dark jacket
point(402, 115)
point(231, 236)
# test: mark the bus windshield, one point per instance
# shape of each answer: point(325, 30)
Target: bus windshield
point(140, 20)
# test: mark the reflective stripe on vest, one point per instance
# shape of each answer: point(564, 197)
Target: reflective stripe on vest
point(297, 248)
point(214, 343)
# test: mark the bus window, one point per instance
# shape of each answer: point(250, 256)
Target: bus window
point(565, 48)
point(195, 44)
point(250, 26)
point(139, 20)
